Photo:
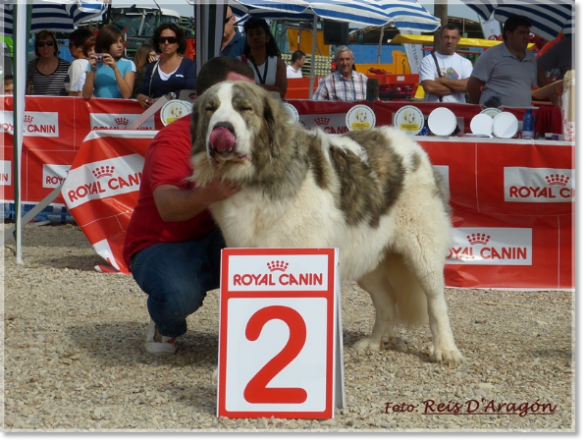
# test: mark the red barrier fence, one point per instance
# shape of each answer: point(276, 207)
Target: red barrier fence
point(513, 200)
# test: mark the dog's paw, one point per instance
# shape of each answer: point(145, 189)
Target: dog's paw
point(448, 356)
point(367, 344)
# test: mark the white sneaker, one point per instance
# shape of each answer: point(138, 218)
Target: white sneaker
point(157, 343)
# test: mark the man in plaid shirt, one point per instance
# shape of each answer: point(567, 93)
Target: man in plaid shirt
point(344, 84)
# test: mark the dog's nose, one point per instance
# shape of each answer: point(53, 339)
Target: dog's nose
point(222, 137)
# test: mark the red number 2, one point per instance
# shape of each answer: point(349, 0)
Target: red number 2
point(256, 390)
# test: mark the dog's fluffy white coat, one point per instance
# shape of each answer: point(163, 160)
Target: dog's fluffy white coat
point(373, 195)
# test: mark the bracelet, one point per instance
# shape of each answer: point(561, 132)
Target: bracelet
point(94, 69)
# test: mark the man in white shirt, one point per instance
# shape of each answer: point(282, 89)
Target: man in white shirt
point(445, 80)
point(294, 70)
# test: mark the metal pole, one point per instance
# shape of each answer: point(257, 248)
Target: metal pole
point(313, 51)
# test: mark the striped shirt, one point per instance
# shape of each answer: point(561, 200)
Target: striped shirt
point(335, 87)
point(53, 84)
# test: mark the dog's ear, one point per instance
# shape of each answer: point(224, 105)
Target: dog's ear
point(275, 117)
point(198, 136)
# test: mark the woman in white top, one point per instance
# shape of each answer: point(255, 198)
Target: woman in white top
point(294, 70)
point(81, 44)
point(262, 54)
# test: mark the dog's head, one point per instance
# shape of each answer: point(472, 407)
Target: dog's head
point(237, 130)
point(361, 116)
point(409, 116)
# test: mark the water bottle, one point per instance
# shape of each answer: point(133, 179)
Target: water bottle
point(528, 125)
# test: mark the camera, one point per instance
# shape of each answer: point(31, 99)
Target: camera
point(99, 56)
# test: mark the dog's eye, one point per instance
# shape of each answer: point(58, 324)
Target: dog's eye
point(245, 108)
point(211, 107)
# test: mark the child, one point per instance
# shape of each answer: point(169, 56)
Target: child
point(78, 69)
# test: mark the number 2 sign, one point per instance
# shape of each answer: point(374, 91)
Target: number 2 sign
point(280, 349)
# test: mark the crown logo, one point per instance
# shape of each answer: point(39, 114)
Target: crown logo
point(322, 121)
point(478, 239)
point(28, 118)
point(121, 121)
point(557, 179)
point(277, 265)
point(103, 171)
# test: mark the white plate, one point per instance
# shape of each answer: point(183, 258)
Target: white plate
point(505, 125)
point(442, 122)
point(360, 117)
point(292, 110)
point(491, 111)
point(409, 119)
point(174, 110)
point(481, 124)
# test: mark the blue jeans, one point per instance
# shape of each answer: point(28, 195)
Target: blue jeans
point(176, 278)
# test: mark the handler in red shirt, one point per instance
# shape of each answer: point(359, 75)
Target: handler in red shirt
point(172, 244)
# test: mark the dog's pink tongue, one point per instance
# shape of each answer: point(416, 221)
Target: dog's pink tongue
point(222, 139)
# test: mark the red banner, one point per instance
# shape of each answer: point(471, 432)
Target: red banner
point(513, 200)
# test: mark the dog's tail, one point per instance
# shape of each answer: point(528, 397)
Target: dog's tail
point(409, 299)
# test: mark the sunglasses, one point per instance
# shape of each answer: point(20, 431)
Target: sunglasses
point(171, 40)
point(41, 44)
point(228, 19)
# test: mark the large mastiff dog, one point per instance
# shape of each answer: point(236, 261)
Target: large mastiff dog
point(373, 194)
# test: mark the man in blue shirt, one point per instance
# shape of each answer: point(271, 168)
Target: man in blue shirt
point(232, 41)
point(506, 72)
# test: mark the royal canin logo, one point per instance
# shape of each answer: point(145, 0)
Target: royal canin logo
point(28, 118)
point(100, 186)
point(283, 279)
point(541, 185)
point(513, 246)
point(121, 121)
point(278, 265)
point(478, 239)
point(557, 179)
point(322, 121)
point(103, 171)
point(36, 124)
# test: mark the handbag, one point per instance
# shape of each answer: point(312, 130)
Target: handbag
point(152, 74)
point(439, 72)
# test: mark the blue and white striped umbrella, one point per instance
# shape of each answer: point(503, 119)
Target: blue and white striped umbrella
point(409, 15)
point(365, 12)
point(406, 15)
point(548, 17)
point(52, 15)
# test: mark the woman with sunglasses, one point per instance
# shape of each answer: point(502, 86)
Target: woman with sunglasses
point(263, 56)
point(109, 74)
point(47, 73)
point(172, 72)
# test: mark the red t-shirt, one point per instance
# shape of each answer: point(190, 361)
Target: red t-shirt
point(166, 163)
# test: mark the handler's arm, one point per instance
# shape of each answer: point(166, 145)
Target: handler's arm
point(176, 204)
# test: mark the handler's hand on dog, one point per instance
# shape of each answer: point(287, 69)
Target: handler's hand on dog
point(218, 189)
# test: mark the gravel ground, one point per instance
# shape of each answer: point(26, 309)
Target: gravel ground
point(73, 357)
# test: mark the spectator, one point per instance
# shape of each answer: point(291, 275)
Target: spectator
point(172, 245)
point(8, 85)
point(172, 72)
point(47, 73)
point(145, 55)
point(263, 56)
point(295, 69)
point(345, 83)
point(113, 75)
point(232, 40)
point(555, 63)
point(78, 69)
point(444, 74)
point(505, 74)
